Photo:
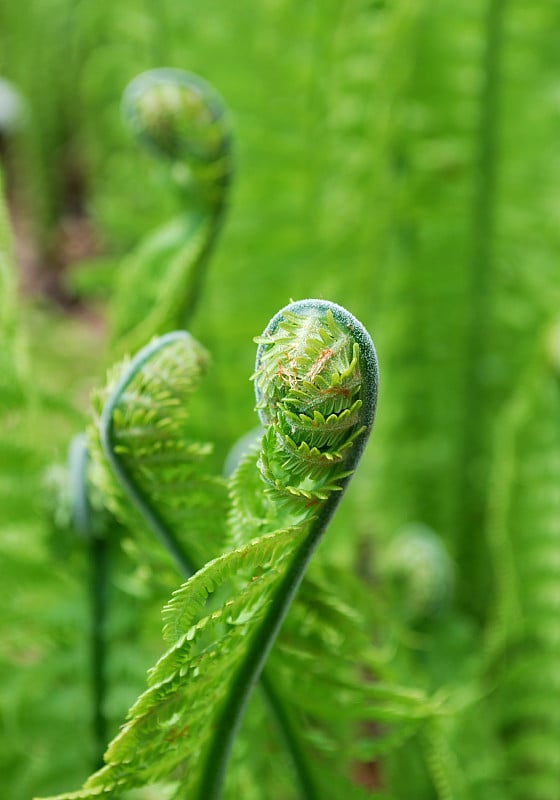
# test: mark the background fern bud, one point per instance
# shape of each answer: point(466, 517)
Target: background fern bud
point(182, 119)
point(179, 116)
point(420, 568)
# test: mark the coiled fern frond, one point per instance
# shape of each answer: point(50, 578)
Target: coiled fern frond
point(180, 118)
point(182, 728)
point(313, 384)
point(419, 568)
point(145, 461)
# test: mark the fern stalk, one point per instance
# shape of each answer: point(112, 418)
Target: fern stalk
point(163, 531)
point(291, 738)
point(98, 565)
point(316, 383)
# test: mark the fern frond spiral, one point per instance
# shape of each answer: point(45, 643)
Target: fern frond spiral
point(179, 118)
point(316, 386)
point(417, 563)
point(143, 452)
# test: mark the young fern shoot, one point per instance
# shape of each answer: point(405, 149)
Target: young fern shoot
point(181, 119)
point(316, 383)
point(145, 460)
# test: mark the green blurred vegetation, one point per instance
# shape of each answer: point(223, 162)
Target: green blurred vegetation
point(398, 158)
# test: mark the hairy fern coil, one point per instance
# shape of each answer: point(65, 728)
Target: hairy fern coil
point(316, 386)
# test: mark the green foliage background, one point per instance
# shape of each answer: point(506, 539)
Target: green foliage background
point(398, 158)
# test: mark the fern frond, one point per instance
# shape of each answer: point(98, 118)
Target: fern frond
point(418, 567)
point(173, 723)
point(180, 118)
point(185, 723)
point(144, 458)
point(525, 640)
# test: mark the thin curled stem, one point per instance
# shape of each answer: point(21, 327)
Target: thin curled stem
point(181, 120)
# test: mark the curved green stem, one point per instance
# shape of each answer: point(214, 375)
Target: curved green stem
point(212, 783)
point(296, 751)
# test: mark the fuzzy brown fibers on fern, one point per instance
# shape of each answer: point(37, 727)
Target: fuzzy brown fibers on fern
point(312, 381)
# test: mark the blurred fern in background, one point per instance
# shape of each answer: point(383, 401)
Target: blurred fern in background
point(398, 158)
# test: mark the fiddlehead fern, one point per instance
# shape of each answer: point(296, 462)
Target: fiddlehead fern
point(419, 567)
point(186, 722)
point(178, 117)
point(143, 435)
point(316, 386)
point(313, 359)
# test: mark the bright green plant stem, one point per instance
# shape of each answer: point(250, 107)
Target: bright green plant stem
point(97, 551)
point(292, 740)
point(211, 786)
